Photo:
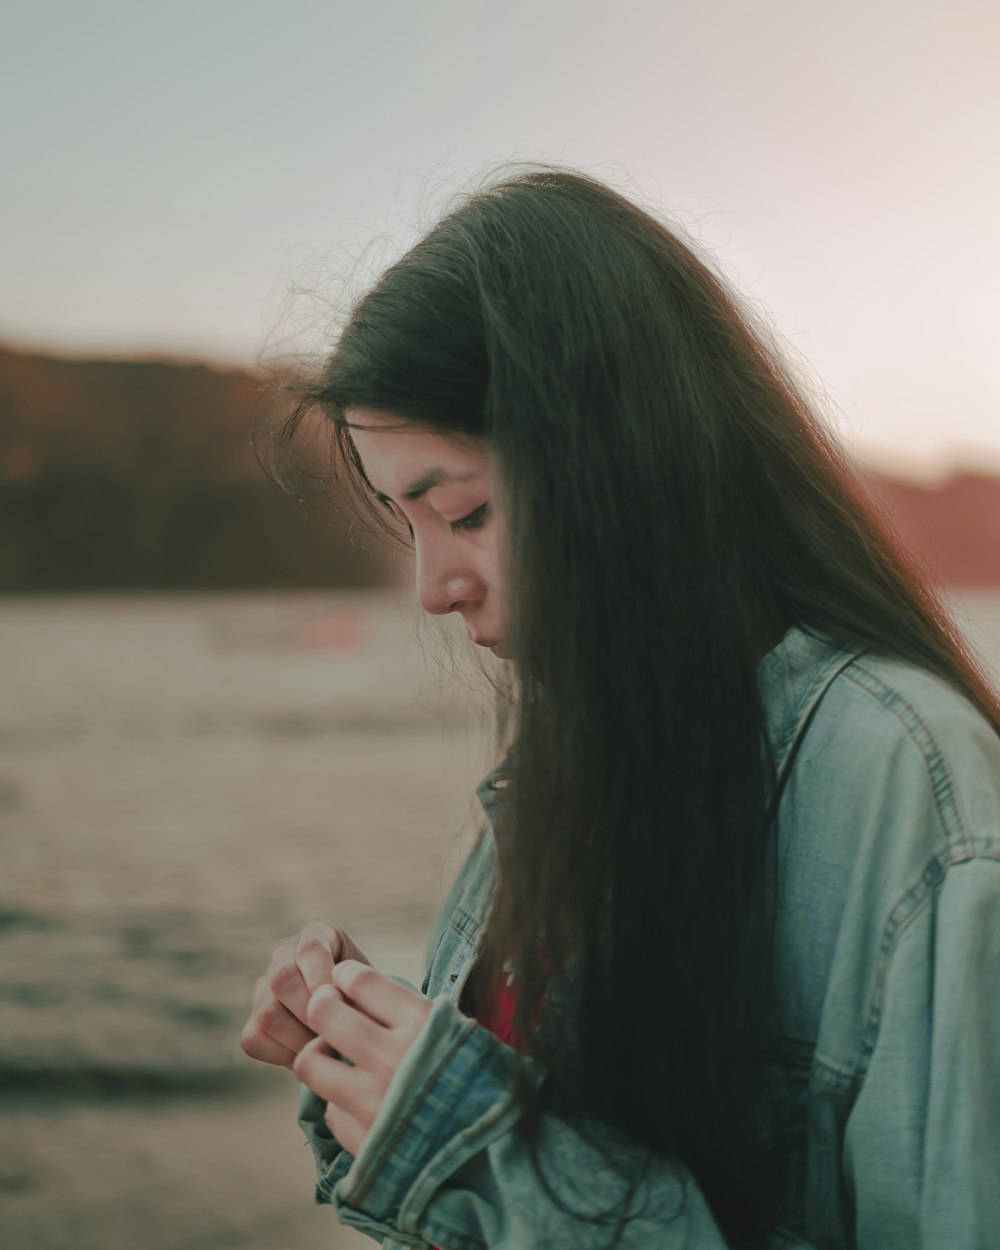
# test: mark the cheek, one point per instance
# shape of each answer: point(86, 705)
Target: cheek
point(493, 574)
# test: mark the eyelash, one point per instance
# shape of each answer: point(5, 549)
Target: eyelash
point(473, 521)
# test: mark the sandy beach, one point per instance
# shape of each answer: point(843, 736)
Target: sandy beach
point(184, 779)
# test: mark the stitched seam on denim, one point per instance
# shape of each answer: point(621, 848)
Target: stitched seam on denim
point(803, 703)
point(365, 1223)
point(831, 666)
point(328, 1181)
point(920, 735)
point(407, 1119)
point(910, 906)
point(827, 1072)
point(465, 924)
point(441, 1236)
point(463, 920)
point(455, 1152)
point(462, 889)
point(957, 849)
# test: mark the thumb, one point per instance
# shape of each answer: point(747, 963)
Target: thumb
point(320, 946)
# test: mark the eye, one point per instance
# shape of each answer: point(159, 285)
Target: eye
point(473, 521)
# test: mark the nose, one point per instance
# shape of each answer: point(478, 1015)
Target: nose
point(445, 581)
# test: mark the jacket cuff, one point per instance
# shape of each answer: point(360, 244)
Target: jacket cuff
point(449, 1098)
point(332, 1160)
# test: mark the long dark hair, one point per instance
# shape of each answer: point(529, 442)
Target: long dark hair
point(674, 504)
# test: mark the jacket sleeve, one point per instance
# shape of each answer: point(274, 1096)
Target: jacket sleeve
point(444, 1166)
point(922, 1141)
point(330, 1157)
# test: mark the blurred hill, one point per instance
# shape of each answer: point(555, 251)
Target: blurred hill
point(138, 475)
point(953, 526)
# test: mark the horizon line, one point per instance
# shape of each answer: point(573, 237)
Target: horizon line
point(909, 462)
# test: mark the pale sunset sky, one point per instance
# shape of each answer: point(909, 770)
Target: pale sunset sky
point(171, 171)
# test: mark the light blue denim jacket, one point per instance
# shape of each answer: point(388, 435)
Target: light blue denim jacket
point(885, 1071)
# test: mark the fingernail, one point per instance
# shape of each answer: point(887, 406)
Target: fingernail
point(345, 971)
point(320, 994)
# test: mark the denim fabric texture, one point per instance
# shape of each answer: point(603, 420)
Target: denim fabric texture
point(884, 1070)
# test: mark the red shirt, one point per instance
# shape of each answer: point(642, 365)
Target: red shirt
point(497, 1013)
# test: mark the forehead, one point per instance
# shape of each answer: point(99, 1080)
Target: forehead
point(391, 449)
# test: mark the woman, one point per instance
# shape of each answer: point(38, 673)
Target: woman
point(735, 905)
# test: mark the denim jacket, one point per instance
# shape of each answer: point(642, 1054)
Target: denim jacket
point(884, 1072)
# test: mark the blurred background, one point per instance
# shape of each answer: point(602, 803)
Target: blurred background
point(220, 715)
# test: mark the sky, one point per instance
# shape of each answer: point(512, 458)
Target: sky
point(200, 179)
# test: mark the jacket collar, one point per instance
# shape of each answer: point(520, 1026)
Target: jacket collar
point(793, 677)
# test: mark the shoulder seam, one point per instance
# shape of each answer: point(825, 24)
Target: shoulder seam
point(919, 733)
point(912, 904)
point(958, 848)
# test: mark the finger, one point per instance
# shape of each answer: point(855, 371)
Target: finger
point(350, 1132)
point(285, 982)
point(378, 996)
point(358, 1038)
point(274, 1020)
point(265, 1049)
point(319, 947)
point(352, 1089)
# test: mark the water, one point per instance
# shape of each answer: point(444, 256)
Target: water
point(182, 780)
point(977, 612)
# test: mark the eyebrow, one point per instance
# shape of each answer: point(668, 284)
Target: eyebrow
point(436, 477)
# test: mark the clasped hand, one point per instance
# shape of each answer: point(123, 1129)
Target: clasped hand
point(370, 1020)
point(321, 994)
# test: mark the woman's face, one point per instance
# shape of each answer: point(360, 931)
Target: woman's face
point(447, 494)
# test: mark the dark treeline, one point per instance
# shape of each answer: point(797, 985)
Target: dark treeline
point(139, 475)
point(87, 529)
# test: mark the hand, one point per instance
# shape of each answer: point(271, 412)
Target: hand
point(372, 1021)
point(276, 1029)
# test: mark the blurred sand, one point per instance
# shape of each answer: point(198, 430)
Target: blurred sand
point(183, 780)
